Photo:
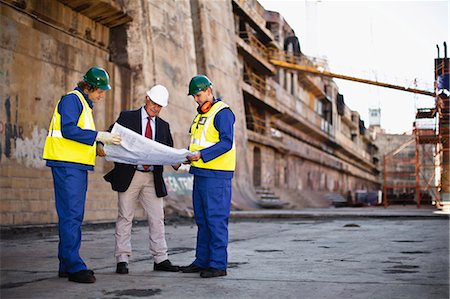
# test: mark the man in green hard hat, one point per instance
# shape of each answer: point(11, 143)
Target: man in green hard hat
point(213, 162)
point(70, 151)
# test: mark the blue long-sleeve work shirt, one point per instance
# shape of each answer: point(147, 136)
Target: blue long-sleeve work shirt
point(224, 123)
point(70, 109)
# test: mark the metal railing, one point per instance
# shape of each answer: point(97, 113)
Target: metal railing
point(259, 83)
point(249, 38)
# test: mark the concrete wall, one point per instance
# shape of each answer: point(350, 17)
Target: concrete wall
point(47, 46)
point(160, 50)
point(40, 61)
point(214, 33)
point(42, 57)
point(304, 180)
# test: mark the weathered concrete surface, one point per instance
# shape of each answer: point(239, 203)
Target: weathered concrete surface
point(46, 47)
point(330, 253)
point(38, 64)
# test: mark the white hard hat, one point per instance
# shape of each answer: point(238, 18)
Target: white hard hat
point(159, 95)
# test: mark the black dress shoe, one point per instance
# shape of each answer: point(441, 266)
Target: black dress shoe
point(122, 268)
point(212, 272)
point(191, 269)
point(165, 266)
point(83, 276)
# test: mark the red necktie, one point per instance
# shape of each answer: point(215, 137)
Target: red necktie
point(148, 134)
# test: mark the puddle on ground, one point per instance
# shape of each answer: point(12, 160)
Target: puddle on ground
point(12, 285)
point(236, 264)
point(405, 266)
point(236, 240)
point(400, 258)
point(135, 292)
point(398, 271)
point(401, 269)
point(351, 225)
point(407, 241)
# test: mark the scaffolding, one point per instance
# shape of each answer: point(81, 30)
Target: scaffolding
point(431, 138)
point(442, 79)
point(428, 155)
point(399, 173)
point(411, 171)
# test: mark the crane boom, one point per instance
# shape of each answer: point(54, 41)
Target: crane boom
point(315, 71)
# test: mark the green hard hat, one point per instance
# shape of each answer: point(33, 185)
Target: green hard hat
point(98, 77)
point(198, 83)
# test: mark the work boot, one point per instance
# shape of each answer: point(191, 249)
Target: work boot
point(191, 269)
point(83, 276)
point(212, 272)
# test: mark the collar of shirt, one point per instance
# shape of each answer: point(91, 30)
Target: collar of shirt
point(144, 117)
point(90, 103)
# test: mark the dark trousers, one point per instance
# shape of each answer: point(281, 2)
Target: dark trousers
point(211, 201)
point(70, 186)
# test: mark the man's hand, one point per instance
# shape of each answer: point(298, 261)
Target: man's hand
point(100, 150)
point(195, 156)
point(108, 138)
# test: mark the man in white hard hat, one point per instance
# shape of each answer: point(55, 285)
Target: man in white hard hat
point(144, 183)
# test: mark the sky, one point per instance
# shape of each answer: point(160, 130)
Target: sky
point(387, 41)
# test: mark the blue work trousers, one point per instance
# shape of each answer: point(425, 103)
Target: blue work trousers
point(70, 195)
point(211, 201)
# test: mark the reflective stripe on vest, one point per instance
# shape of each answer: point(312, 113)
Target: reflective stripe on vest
point(62, 149)
point(204, 134)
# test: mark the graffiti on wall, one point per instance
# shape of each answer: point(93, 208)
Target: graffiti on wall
point(13, 144)
point(9, 129)
point(179, 183)
point(29, 150)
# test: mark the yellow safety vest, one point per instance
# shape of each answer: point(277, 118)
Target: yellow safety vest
point(62, 149)
point(204, 134)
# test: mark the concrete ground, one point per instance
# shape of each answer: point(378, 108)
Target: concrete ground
point(318, 253)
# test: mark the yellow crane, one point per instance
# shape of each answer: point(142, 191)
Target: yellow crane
point(312, 70)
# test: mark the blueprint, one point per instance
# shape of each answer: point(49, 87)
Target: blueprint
point(136, 149)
